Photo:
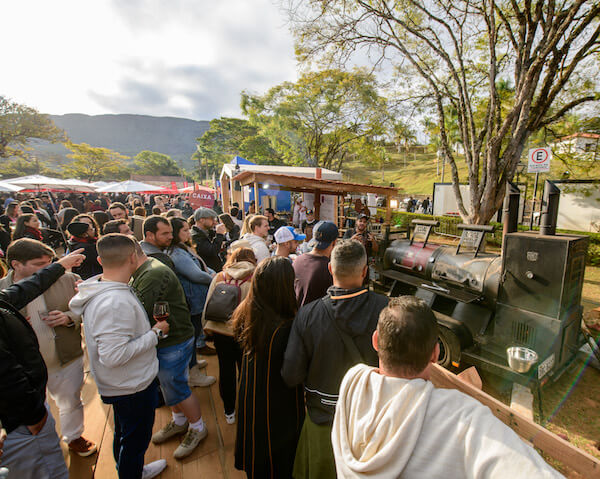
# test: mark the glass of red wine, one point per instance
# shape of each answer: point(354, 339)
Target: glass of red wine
point(161, 312)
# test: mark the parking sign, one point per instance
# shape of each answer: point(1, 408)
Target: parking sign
point(539, 160)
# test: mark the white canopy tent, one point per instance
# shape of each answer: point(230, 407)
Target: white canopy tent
point(46, 183)
point(7, 187)
point(130, 186)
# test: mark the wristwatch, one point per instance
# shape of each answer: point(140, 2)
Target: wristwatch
point(159, 333)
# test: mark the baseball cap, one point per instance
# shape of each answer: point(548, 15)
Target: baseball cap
point(204, 213)
point(77, 228)
point(362, 215)
point(287, 233)
point(324, 233)
point(310, 212)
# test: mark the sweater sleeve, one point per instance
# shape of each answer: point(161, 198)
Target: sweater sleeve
point(296, 359)
point(114, 338)
point(189, 269)
point(22, 293)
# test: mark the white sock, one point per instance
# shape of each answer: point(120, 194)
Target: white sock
point(178, 418)
point(198, 425)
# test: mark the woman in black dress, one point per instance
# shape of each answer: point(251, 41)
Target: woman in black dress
point(270, 415)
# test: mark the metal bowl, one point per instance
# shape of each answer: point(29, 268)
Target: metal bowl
point(521, 359)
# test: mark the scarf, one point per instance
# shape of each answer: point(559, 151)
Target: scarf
point(34, 232)
point(78, 239)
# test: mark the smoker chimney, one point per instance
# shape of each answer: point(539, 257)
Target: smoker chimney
point(511, 208)
point(549, 209)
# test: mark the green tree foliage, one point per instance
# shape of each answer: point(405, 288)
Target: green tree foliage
point(15, 167)
point(506, 69)
point(95, 163)
point(153, 163)
point(316, 120)
point(227, 137)
point(19, 124)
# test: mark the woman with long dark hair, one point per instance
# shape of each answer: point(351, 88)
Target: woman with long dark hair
point(237, 271)
point(270, 415)
point(195, 278)
point(28, 226)
point(84, 234)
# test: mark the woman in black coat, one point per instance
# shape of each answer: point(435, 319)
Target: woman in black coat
point(270, 415)
point(84, 234)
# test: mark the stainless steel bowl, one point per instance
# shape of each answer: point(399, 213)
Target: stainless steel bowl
point(521, 359)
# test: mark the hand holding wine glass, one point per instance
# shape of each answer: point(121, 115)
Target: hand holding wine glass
point(160, 314)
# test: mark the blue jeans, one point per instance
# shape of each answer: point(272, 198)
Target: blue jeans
point(34, 457)
point(134, 418)
point(173, 372)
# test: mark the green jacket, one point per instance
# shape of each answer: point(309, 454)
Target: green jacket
point(154, 281)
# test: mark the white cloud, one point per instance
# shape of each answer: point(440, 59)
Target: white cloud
point(177, 58)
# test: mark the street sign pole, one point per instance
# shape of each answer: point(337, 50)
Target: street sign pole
point(535, 184)
point(538, 162)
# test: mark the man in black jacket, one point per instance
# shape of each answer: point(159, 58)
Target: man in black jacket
point(328, 337)
point(31, 449)
point(207, 238)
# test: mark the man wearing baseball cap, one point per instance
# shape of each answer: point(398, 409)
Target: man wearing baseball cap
point(361, 234)
point(312, 273)
point(207, 238)
point(287, 241)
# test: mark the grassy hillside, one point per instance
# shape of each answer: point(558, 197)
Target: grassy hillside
point(420, 173)
point(127, 134)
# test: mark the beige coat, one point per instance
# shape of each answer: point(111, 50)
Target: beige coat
point(57, 297)
point(236, 271)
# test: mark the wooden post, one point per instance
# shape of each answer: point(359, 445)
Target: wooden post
point(388, 210)
point(225, 194)
point(317, 205)
point(256, 200)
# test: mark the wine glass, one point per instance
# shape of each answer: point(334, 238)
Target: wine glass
point(161, 312)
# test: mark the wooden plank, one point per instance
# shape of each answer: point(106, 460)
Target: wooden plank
point(105, 464)
point(208, 465)
point(471, 376)
point(549, 443)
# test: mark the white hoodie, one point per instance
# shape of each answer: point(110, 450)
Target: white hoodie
point(259, 245)
point(387, 427)
point(121, 347)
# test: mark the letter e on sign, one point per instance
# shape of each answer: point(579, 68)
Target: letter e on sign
point(539, 160)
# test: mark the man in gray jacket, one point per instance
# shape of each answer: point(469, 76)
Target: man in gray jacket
point(122, 352)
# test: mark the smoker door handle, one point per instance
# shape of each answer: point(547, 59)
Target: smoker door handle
point(435, 287)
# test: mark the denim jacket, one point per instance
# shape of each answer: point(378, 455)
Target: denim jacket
point(194, 278)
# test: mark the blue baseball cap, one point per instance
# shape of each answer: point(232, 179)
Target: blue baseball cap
point(324, 233)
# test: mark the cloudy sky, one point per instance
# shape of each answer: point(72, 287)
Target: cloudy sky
point(187, 58)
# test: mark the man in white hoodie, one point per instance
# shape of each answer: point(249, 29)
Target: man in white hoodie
point(259, 225)
point(122, 353)
point(392, 422)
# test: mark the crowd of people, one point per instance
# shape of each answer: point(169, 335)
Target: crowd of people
point(320, 375)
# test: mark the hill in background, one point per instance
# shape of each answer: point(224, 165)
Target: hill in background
point(127, 134)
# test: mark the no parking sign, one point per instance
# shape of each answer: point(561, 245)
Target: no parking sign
point(539, 160)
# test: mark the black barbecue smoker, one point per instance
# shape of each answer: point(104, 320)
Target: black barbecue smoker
point(529, 297)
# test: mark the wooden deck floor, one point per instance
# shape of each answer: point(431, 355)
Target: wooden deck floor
point(212, 459)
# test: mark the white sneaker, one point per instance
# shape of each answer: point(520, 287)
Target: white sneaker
point(154, 469)
point(230, 418)
point(201, 363)
point(199, 379)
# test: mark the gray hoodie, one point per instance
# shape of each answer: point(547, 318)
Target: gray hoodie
point(121, 347)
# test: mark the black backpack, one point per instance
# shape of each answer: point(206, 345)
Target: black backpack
point(226, 296)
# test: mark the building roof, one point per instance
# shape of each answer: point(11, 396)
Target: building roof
point(593, 136)
point(303, 171)
point(310, 185)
